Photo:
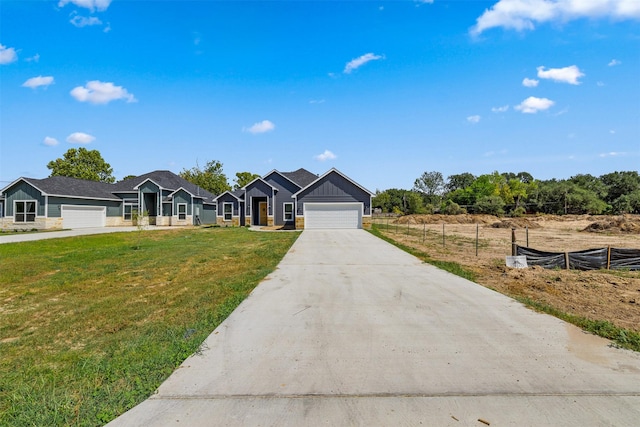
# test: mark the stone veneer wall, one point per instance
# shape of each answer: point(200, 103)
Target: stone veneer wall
point(39, 224)
point(300, 222)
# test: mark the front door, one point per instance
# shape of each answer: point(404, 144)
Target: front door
point(263, 213)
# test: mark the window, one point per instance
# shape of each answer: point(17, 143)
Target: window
point(25, 211)
point(182, 211)
point(288, 211)
point(130, 210)
point(228, 211)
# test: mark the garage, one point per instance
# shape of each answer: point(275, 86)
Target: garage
point(83, 216)
point(332, 215)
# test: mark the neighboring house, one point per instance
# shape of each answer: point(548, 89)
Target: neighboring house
point(62, 202)
point(298, 199)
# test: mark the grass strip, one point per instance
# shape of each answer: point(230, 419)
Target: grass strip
point(623, 338)
point(90, 326)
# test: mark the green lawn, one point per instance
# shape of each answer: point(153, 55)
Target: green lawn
point(90, 326)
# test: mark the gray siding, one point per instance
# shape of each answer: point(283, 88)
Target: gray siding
point(258, 189)
point(333, 188)
point(23, 191)
point(113, 208)
point(286, 189)
point(228, 198)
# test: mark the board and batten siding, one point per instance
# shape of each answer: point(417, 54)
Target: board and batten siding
point(334, 189)
point(23, 191)
point(114, 208)
point(286, 189)
point(179, 198)
point(258, 189)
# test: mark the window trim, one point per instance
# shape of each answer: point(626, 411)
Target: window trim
point(25, 214)
point(182, 216)
point(284, 211)
point(133, 210)
point(224, 211)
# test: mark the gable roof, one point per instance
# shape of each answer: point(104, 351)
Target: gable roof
point(256, 180)
point(333, 170)
point(65, 186)
point(236, 195)
point(167, 180)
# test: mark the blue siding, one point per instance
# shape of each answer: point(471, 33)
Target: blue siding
point(333, 188)
point(23, 191)
point(208, 214)
point(182, 197)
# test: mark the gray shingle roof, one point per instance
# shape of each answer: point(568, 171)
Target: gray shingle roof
point(65, 186)
point(302, 177)
point(165, 179)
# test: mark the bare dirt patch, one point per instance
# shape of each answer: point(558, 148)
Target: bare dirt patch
point(599, 295)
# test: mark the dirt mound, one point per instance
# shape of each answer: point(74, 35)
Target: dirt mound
point(515, 223)
point(447, 219)
point(622, 224)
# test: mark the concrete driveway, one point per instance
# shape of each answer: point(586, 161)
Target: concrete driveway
point(350, 330)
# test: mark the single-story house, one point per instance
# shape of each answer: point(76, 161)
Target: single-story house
point(298, 199)
point(302, 199)
point(61, 202)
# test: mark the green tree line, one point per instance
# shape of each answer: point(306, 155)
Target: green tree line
point(514, 194)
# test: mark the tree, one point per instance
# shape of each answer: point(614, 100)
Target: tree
point(211, 178)
point(83, 164)
point(459, 181)
point(431, 185)
point(127, 177)
point(382, 200)
point(244, 178)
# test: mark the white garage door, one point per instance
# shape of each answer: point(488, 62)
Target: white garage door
point(332, 215)
point(83, 216)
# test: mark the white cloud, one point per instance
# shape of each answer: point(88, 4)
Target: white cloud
point(80, 138)
point(419, 2)
point(612, 154)
point(260, 127)
point(522, 15)
point(97, 92)
point(502, 109)
point(35, 82)
point(614, 62)
point(527, 82)
point(569, 74)
point(612, 132)
point(317, 101)
point(356, 63)
point(34, 58)
point(327, 155)
point(532, 105)
point(51, 142)
point(87, 4)
point(473, 119)
point(84, 21)
point(600, 84)
point(7, 54)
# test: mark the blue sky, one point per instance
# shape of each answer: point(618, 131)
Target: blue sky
point(382, 91)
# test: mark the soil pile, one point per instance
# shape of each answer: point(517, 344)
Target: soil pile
point(515, 223)
point(622, 224)
point(447, 219)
